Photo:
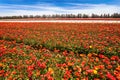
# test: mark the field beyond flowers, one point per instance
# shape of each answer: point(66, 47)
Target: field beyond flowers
point(59, 51)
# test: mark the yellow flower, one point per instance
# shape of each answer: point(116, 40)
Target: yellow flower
point(51, 70)
point(95, 71)
point(90, 46)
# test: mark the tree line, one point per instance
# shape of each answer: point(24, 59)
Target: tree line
point(115, 15)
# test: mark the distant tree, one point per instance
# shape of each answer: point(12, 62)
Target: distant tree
point(95, 16)
point(25, 16)
point(79, 16)
point(115, 15)
point(85, 16)
point(31, 16)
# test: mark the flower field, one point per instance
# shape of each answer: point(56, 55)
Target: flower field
point(59, 51)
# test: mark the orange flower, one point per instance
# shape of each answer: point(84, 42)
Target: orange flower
point(89, 55)
point(96, 67)
point(118, 68)
point(96, 79)
point(82, 55)
point(70, 64)
point(97, 59)
point(1, 65)
point(51, 70)
point(78, 68)
point(77, 79)
point(37, 73)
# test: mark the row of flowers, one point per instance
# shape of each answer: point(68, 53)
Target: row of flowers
point(23, 62)
point(79, 38)
point(56, 51)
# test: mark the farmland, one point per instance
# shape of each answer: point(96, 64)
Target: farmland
point(59, 51)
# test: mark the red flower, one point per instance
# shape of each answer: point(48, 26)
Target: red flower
point(89, 71)
point(41, 65)
point(65, 53)
point(1, 72)
point(101, 56)
point(30, 68)
point(114, 58)
point(30, 74)
point(109, 76)
point(109, 66)
point(83, 63)
point(67, 74)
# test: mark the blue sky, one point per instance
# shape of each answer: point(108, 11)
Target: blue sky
point(40, 7)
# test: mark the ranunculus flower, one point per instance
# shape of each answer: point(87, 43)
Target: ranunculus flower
point(51, 70)
point(110, 76)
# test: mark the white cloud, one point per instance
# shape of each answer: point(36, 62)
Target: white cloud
point(40, 9)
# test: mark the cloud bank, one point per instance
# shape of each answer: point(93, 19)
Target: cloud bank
point(45, 8)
